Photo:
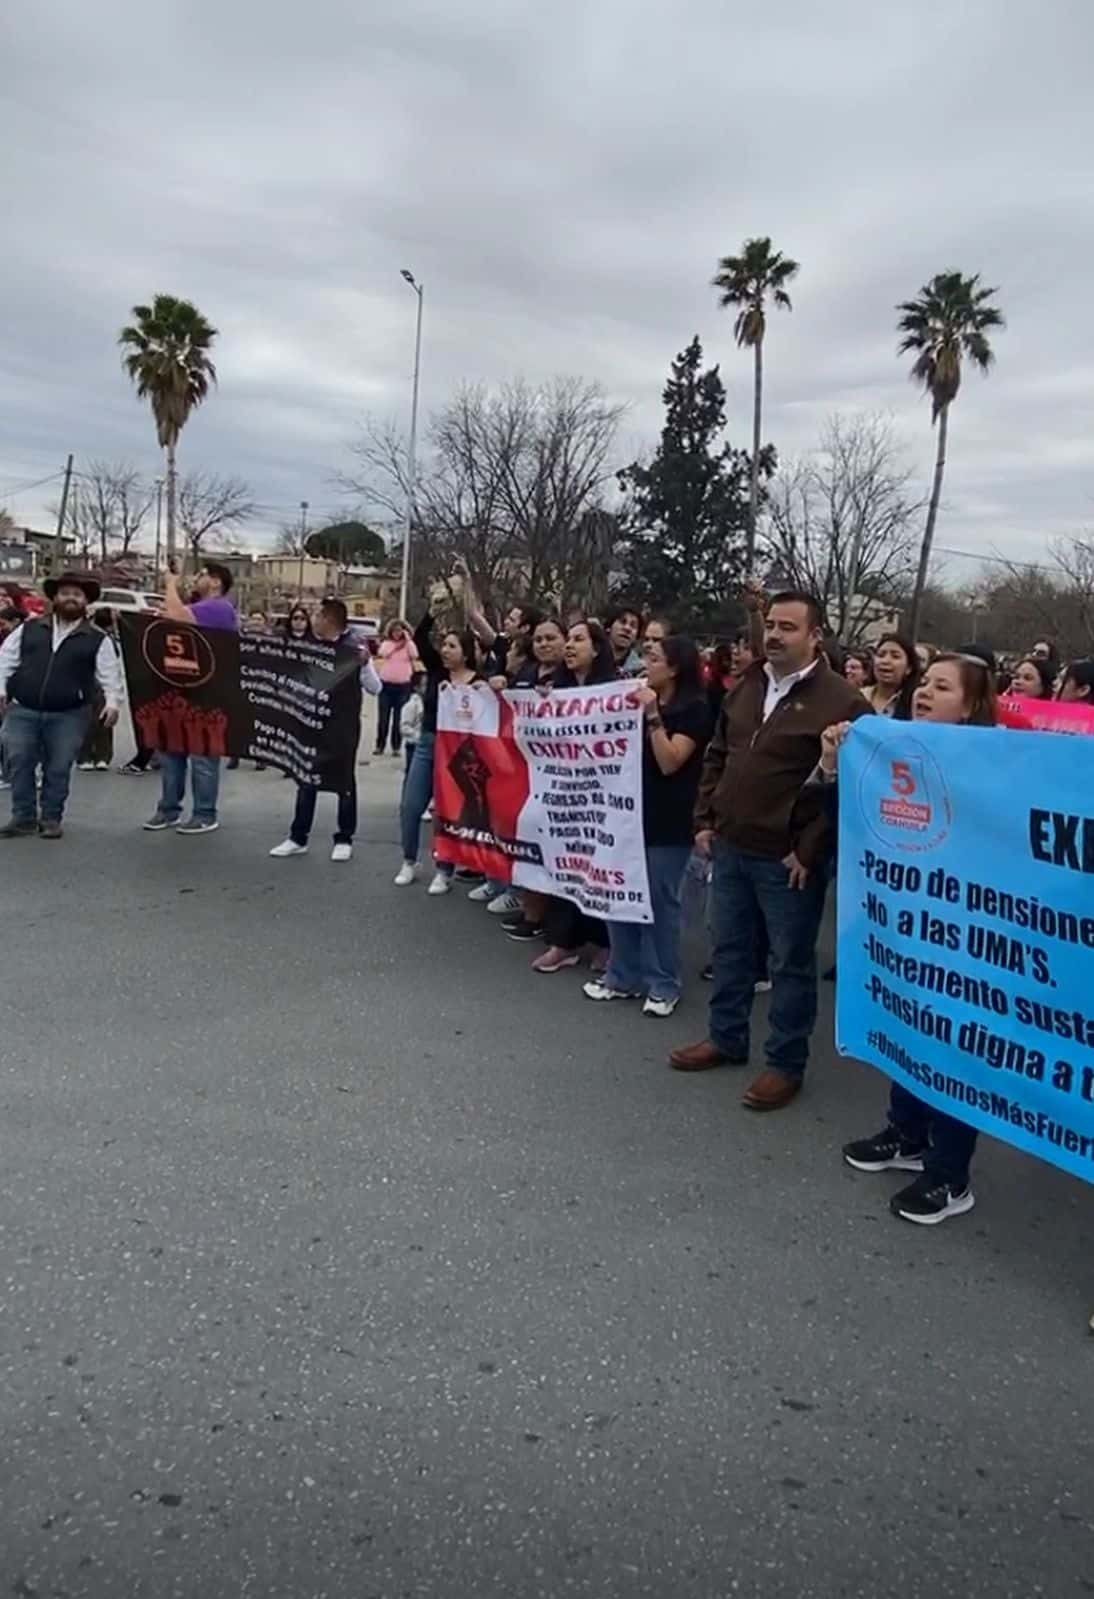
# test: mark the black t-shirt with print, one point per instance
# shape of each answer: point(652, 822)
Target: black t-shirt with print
point(669, 801)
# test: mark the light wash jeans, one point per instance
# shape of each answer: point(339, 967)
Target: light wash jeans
point(204, 786)
point(646, 955)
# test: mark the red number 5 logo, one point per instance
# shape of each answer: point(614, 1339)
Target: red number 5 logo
point(902, 781)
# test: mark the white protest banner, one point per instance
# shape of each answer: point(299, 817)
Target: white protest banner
point(545, 790)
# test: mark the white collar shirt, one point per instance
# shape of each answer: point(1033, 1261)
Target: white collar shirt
point(779, 687)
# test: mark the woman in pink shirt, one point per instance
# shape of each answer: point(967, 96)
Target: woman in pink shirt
point(396, 662)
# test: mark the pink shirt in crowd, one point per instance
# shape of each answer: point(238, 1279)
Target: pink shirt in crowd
point(397, 659)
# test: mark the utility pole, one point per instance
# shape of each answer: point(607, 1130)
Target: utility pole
point(159, 520)
point(303, 546)
point(74, 514)
point(58, 542)
point(412, 449)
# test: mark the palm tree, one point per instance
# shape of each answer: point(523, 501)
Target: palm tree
point(168, 359)
point(746, 280)
point(948, 322)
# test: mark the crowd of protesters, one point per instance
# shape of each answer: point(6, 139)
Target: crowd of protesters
point(740, 762)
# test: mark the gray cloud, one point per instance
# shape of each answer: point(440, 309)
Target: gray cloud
point(563, 179)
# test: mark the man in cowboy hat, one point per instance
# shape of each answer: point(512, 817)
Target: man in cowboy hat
point(49, 669)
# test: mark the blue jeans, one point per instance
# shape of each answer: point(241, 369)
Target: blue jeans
point(749, 892)
point(417, 793)
point(51, 739)
point(646, 956)
point(204, 786)
point(393, 696)
point(950, 1143)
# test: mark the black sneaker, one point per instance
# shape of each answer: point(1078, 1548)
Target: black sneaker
point(523, 932)
point(888, 1150)
point(514, 919)
point(928, 1202)
point(707, 973)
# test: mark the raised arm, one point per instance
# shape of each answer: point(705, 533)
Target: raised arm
point(476, 617)
point(423, 640)
point(173, 604)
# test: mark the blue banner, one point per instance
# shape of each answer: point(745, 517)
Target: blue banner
point(966, 925)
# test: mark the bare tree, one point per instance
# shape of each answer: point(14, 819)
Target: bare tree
point(290, 538)
point(211, 504)
point(134, 498)
point(841, 523)
point(508, 480)
point(1075, 558)
point(93, 508)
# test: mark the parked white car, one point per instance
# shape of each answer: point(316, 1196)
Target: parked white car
point(126, 600)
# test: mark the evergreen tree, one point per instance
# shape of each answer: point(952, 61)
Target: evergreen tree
point(685, 515)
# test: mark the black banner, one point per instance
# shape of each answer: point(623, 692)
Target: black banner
point(295, 704)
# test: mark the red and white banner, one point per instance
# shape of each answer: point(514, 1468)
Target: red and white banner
point(545, 791)
point(1053, 716)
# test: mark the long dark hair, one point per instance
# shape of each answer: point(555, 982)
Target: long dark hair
point(682, 655)
point(902, 710)
point(295, 610)
point(468, 643)
point(1081, 673)
point(603, 669)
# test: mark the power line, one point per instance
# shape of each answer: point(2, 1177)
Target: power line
point(24, 488)
point(996, 560)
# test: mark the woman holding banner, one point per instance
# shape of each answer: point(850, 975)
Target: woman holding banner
point(955, 689)
point(587, 659)
point(454, 662)
point(645, 958)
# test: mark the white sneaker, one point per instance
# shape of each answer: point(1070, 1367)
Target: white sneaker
point(281, 852)
point(659, 1007)
point(506, 904)
point(85, 766)
point(342, 852)
point(763, 986)
point(407, 873)
point(427, 814)
point(482, 895)
point(595, 989)
point(441, 884)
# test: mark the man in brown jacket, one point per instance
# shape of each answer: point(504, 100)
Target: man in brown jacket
point(770, 840)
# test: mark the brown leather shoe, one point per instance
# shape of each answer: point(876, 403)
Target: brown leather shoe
point(771, 1091)
point(701, 1057)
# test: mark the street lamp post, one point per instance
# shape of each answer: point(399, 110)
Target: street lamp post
point(412, 448)
point(303, 544)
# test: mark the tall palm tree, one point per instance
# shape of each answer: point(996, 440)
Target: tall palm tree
point(746, 280)
point(168, 346)
point(946, 324)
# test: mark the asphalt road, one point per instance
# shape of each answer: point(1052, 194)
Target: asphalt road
point(342, 1256)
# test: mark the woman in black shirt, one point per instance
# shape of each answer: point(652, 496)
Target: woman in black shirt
point(645, 957)
point(587, 659)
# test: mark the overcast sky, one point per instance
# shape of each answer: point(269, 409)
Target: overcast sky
point(563, 179)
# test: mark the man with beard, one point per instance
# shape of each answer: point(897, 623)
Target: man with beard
point(49, 669)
